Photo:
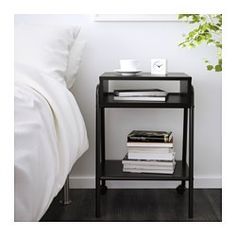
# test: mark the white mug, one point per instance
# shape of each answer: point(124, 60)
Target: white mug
point(128, 64)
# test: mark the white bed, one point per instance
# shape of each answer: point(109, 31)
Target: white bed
point(50, 133)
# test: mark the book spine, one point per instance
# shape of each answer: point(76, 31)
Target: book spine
point(149, 144)
point(168, 168)
point(151, 157)
point(148, 171)
point(136, 94)
point(148, 158)
point(141, 98)
point(147, 150)
point(149, 164)
point(160, 139)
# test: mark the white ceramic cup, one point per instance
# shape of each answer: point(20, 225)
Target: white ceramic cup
point(128, 65)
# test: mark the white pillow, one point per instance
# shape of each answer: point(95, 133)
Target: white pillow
point(46, 48)
point(75, 58)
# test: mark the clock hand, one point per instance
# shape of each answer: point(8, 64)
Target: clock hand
point(158, 65)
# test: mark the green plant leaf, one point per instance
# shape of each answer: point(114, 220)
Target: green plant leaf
point(207, 29)
point(218, 68)
point(210, 67)
point(209, 41)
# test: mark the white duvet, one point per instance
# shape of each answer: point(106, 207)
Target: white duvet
point(50, 135)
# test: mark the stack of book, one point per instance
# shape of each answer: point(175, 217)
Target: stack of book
point(149, 152)
point(157, 95)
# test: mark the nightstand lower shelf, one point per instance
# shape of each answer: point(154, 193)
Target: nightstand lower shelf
point(113, 171)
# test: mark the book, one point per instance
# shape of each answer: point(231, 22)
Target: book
point(140, 92)
point(147, 167)
point(141, 170)
point(143, 162)
point(140, 98)
point(152, 156)
point(147, 150)
point(149, 136)
point(150, 144)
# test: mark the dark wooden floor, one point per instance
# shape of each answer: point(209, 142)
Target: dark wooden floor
point(138, 205)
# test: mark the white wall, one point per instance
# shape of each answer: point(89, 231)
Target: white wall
point(107, 42)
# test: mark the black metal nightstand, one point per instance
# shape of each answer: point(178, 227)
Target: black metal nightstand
point(112, 169)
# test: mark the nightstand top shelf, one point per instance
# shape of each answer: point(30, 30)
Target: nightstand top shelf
point(180, 99)
point(174, 100)
point(145, 76)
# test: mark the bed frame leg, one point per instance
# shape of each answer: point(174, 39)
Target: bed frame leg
point(66, 196)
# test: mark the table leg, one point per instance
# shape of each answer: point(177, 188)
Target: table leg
point(184, 147)
point(98, 154)
point(103, 146)
point(191, 160)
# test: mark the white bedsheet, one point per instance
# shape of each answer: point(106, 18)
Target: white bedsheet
point(50, 135)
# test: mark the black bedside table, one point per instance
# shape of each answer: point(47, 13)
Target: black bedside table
point(112, 169)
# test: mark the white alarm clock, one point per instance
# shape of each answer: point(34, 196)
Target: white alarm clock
point(159, 66)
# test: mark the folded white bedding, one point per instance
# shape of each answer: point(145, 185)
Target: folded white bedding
point(50, 135)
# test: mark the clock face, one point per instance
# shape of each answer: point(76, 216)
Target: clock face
point(158, 66)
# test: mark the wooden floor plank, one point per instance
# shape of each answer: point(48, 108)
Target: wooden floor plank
point(138, 205)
